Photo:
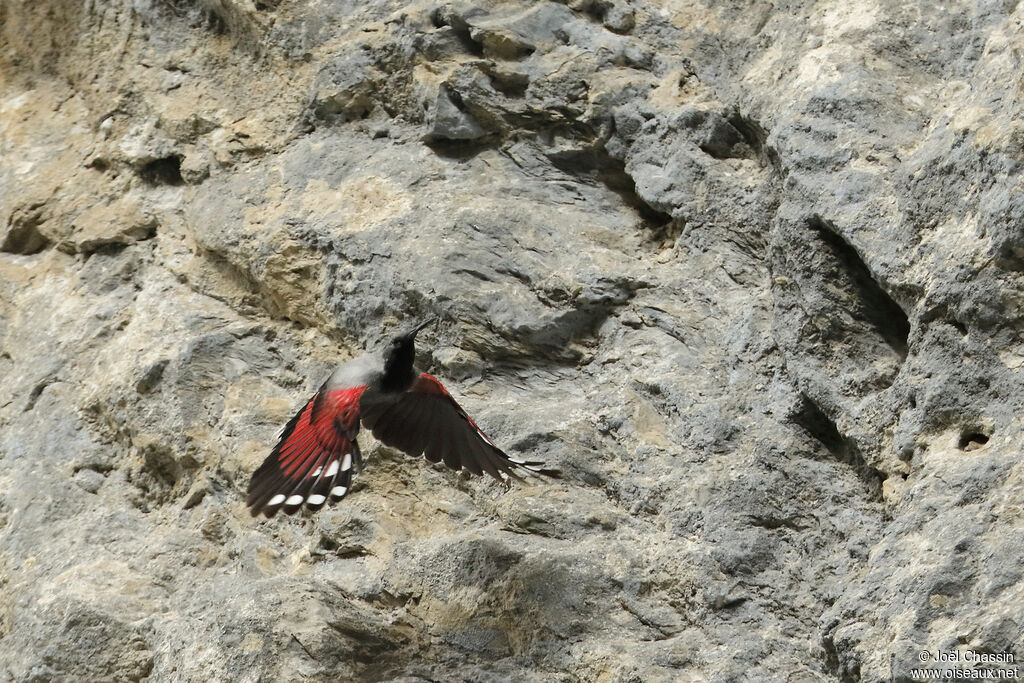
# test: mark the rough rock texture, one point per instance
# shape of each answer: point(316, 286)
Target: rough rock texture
point(750, 274)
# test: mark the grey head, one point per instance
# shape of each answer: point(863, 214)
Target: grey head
point(399, 356)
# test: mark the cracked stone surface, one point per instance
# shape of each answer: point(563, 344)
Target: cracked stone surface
point(750, 275)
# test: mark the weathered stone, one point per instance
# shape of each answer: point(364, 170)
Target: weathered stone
point(118, 223)
point(450, 122)
point(749, 275)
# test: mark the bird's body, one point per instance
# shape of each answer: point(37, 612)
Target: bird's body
point(404, 408)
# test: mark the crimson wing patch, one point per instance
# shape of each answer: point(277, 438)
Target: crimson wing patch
point(314, 458)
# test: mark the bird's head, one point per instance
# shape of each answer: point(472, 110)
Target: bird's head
point(400, 354)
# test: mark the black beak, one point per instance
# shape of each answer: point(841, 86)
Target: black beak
point(429, 321)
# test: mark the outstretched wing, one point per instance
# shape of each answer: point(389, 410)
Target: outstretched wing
point(427, 421)
point(314, 458)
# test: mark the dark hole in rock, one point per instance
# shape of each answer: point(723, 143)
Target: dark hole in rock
point(972, 440)
point(459, 150)
point(443, 17)
point(734, 137)
point(750, 129)
point(151, 377)
point(815, 422)
point(216, 24)
point(596, 11)
point(165, 171)
point(1011, 257)
point(612, 173)
point(878, 308)
point(822, 428)
point(24, 237)
point(511, 84)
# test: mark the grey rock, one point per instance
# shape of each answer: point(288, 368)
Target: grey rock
point(450, 122)
point(344, 87)
point(748, 275)
point(619, 18)
point(89, 480)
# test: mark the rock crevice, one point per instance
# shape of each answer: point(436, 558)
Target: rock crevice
point(749, 275)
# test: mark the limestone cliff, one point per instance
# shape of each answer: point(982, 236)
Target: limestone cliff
point(749, 274)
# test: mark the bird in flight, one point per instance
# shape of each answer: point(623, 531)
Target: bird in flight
point(404, 408)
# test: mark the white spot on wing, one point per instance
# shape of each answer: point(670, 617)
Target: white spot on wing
point(316, 499)
point(339, 491)
point(346, 464)
point(332, 470)
point(276, 500)
point(294, 500)
point(317, 471)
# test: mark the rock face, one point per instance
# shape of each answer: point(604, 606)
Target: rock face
point(749, 274)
